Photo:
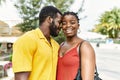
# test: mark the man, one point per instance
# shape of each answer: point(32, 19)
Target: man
point(35, 53)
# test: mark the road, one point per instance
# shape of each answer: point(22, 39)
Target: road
point(108, 62)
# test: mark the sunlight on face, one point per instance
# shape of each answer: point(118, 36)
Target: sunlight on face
point(70, 25)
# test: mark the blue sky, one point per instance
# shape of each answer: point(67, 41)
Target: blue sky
point(93, 10)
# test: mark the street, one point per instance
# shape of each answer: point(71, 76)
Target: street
point(108, 62)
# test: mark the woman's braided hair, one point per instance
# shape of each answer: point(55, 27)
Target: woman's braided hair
point(71, 13)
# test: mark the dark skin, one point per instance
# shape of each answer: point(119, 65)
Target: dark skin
point(22, 75)
point(46, 32)
point(70, 27)
point(45, 26)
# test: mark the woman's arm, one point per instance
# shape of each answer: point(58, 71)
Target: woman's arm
point(88, 61)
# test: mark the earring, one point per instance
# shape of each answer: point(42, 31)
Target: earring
point(78, 31)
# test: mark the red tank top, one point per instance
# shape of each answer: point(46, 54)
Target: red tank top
point(68, 65)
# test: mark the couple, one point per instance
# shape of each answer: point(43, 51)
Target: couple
point(37, 56)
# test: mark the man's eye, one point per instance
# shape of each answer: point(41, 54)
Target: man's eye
point(63, 23)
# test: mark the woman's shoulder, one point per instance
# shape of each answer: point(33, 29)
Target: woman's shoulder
point(87, 48)
point(86, 43)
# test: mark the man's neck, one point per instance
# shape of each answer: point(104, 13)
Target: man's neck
point(45, 33)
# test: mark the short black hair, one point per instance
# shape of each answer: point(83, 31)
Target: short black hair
point(48, 11)
point(71, 13)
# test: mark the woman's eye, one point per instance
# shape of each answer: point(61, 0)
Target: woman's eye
point(72, 22)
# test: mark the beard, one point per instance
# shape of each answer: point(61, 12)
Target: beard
point(53, 29)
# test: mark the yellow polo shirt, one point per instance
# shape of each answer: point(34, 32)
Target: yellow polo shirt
point(32, 52)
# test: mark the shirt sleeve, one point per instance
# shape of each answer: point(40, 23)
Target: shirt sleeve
point(23, 52)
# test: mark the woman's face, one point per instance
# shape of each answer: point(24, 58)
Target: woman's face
point(70, 25)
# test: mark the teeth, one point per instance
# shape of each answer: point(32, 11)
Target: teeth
point(68, 30)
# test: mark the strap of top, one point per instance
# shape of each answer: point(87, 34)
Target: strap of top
point(80, 45)
point(80, 58)
point(80, 51)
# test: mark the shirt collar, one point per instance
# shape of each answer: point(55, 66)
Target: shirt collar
point(40, 34)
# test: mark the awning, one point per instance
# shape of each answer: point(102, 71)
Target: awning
point(8, 39)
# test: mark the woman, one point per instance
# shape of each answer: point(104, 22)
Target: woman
point(68, 60)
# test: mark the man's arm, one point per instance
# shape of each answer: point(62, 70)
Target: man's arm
point(22, 75)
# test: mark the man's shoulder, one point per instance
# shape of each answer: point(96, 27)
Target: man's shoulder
point(27, 36)
point(29, 33)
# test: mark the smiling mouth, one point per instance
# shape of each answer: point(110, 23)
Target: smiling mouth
point(68, 30)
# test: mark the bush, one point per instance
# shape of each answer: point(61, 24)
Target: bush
point(10, 58)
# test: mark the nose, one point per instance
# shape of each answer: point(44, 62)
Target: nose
point(68, 25)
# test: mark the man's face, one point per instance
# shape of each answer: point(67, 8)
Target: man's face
point(55, 26)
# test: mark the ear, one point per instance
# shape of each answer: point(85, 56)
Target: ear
point(49, 19)
point(78, 26)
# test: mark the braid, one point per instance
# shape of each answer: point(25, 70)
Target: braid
point(71, 13)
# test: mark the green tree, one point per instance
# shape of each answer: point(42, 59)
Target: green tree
point(62, 5)
point(109, 22)
point(60, 38)
point(29, 10)
point(100, 29)
point(1, 1)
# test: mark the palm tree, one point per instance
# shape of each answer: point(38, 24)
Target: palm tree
point(110, 21)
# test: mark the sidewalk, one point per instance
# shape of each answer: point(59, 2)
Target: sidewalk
point(106, 46)
point(106, 77)
point(7, 78)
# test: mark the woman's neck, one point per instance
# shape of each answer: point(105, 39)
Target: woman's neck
point(72, 40)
